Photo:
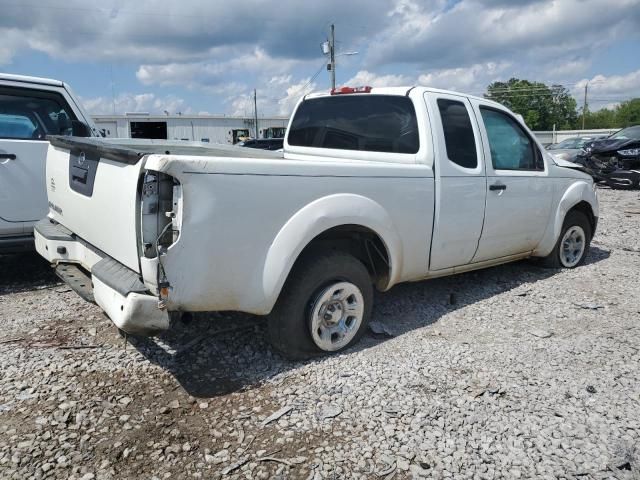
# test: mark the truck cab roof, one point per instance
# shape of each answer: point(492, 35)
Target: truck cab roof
point(26, 79)
point(402, 91)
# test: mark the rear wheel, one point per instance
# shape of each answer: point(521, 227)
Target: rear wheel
point(573, 243)
point(324, 307)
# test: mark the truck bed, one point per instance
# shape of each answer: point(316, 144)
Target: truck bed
point(131, 150)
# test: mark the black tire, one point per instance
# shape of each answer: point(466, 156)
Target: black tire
point(290, 319)
point(573, 218)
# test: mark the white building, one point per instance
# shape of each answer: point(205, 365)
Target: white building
point(229, 129)
point(199, 128)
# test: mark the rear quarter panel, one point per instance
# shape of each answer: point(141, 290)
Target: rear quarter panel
point(245, 221)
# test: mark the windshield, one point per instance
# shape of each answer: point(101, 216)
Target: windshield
point(631, 133)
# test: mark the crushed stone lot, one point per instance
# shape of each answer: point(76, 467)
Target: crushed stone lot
point(511, 372)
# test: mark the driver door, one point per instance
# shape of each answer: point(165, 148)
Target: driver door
point(519, 189)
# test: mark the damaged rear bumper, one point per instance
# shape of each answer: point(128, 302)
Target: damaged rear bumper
point(118, 290)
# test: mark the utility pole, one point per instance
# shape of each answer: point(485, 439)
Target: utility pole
point(113, 89)
point(584, 106)
point(332, 56)
point(255, 111)
point(329, 48)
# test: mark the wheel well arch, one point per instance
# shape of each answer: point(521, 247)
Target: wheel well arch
point(585, 208)
point(362, 242)
point(337, 221)
point(579, 196)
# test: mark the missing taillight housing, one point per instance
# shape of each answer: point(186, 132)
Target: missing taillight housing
point(160, 215)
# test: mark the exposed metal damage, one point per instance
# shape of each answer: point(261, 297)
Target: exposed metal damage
point(614, 161)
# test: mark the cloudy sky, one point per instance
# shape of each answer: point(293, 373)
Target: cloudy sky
point(207, 56)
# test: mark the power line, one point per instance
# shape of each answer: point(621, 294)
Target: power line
point(618, 99)
point(517, 89)
point(553, 86)
point(551, 94)
point(523, 94)
point(315, 75)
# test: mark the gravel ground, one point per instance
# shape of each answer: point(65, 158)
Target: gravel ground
point(511, 372)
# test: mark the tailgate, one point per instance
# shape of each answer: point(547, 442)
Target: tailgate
point(92, 189)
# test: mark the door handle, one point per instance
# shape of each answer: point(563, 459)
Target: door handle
point(497, 186)
point(5, 157)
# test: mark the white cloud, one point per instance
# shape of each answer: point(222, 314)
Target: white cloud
point(566, 68)
point(606, 91)
point(224, 50)
point(278, 96)
point(495, 31)
point(364, 77)
point(128, 102)
point(11, 40)
point(217, 72)
point(294, 93)
point(157, 31)
point(473, 79)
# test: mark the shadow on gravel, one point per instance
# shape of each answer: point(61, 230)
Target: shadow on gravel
point(22, 272)
point(217, 354)
point(596, 255)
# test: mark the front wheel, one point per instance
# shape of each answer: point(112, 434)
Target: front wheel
point(324, 307)
point(572, 246)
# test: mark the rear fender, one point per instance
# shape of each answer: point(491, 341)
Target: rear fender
point(318, 217)
point(578, 192)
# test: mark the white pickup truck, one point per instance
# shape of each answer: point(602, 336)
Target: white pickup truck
point(30, 109)
point(376, 186)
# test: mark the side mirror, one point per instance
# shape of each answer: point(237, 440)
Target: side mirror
point(80, 129)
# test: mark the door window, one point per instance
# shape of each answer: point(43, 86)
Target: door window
point(16, 126)
point(458, 133)
point(23, 116)
point(511, 148)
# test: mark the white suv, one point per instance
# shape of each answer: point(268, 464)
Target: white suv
point(30, 109)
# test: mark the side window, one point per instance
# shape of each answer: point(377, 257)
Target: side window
point(511, 147)
point(17, 126)
point(23, 116)
point(458, 133)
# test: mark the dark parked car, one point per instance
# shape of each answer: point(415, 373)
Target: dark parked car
point(614, 160)
point(570, 148)
point(263, 143)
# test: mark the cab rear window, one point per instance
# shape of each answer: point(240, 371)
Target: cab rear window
point(373, 123)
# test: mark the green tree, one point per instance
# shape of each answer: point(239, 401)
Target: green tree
point(623, 115)
point(541, 106)
point(603, 118)
point(628, 113)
